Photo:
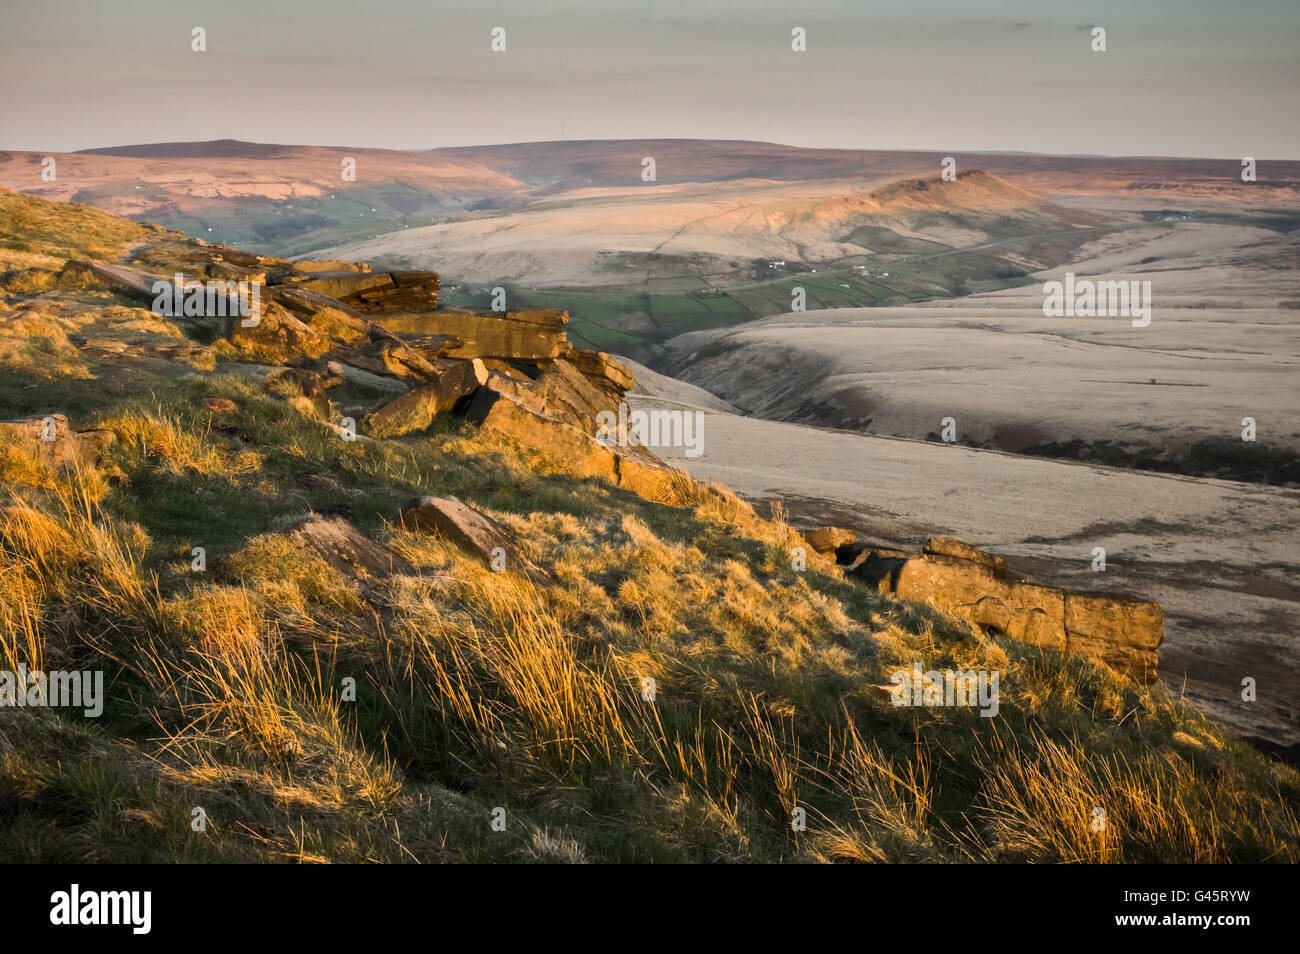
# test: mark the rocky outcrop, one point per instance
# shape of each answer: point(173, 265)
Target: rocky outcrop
point(323, 314)
point(275, 336)
point(560, 392)
point(204, 250)
point(947, 546)
point(513, 372)
point(533, 335)
point(473, 531)
point(330, 265)
point(632, 468)
point(1122, 631)
point(341, 286)
point(356, 288)
point(495, 410)
point(372, 291)
point(1021, 610)
point(415, 409)
point(603, 371)
point(389, 354)
point(228, 272)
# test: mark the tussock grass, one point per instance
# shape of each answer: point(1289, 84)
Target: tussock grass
point(37, 344)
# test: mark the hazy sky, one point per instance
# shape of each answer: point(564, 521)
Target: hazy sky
point(1180, 77)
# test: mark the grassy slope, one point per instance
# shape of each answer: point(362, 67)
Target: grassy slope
point(477, 691)
point(37, 232)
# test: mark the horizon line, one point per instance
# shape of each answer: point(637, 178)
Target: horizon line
point(94, 150)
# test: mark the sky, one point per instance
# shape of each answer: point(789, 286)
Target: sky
point(1205, 78)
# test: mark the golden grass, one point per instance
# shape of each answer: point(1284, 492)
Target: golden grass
point(62, 230)
point(34, 343)
point(477, 690)
point(1044, 794)
point(160, 437)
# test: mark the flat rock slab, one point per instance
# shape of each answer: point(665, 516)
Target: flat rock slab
point(117, 278)
point(472, 531)
point(362, 379)
point(359, 559)
point(339, 285)
point(330, 265)
point(518, 335)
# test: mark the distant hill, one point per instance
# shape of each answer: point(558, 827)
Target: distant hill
point(215, 149)
point(577, 164)
point(696, 247)
point(286, 199)
point(269, 197)
point(639, 263)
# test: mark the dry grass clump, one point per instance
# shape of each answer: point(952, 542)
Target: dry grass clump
point(28, 280)
point(21, 463)
point(171, 445)
point(36, 344)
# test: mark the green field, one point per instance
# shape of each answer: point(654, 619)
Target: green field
point(633, 320)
